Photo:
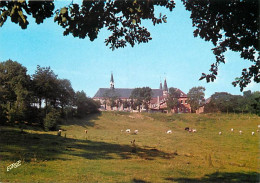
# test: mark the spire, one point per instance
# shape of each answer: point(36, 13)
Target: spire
point(165, 88)
point(112, 78)
point(112, 84)
point(160, 84)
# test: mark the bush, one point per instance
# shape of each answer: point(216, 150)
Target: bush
point(51, 120)
point(14, 114)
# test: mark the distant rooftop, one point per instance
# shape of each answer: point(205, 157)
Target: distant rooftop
point(126, 92)
point(122, 92)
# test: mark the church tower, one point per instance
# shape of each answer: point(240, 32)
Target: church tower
point(160, 85)
point(165, 88)
point(112, 84)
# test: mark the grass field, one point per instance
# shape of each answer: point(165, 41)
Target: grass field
point(106, 154)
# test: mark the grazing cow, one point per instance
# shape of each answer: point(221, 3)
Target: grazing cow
point(257, 130)
point(220, 133)
point(136, 132)
point(187, 128)
point(258, 126)
point(232, 129)
point(86, 131)
point(253, 133)
point(128, 131)
point(169, 132)
point(240, 132)
point(194, 130)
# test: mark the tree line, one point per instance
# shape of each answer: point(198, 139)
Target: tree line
point(41, 98)
point(218, 102)
point(225, 102)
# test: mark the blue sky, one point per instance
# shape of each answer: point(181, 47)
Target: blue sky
point(173, 53)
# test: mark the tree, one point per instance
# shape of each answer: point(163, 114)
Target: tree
point(255, 102)
point(84, 104)
point(225, 102)
point(172, 99)
point(229, 25)
point(141, 96)
point(126, 104)
point(14, 90)
point(51, 120)
point(174, 92)
point(46, 84)
point(110, 96)
point(196, 97)
point(221, 101)
point(147, 96)
point(65, 93)
point(122, 18)
point(136, 97)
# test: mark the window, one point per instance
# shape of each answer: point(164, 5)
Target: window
point(181, 102)
point(185, 101)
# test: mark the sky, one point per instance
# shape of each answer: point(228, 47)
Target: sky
point(173, 53)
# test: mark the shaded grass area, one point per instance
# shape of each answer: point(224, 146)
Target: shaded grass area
point(223, 177)
point(106, 153)
point(30, 147)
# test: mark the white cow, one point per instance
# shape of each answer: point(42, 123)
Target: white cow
point(220, 133)
point(136, 132)
point(128, 131)
point(232, 129)
point(253, 133)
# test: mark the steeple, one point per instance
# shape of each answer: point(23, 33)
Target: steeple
point(112, 84)
point(160, 84)
point(165, 88)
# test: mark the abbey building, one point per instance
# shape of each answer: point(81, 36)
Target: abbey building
point(119, 99)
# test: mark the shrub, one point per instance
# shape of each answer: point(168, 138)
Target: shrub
point(14, 114)
point(51, 120)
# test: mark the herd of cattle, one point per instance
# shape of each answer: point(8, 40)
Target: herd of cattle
point(170, 131)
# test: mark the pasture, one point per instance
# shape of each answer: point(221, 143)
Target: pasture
point(106, 153)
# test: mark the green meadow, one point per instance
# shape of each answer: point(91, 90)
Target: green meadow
point(107, 153)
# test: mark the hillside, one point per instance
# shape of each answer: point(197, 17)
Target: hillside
point(106, 154)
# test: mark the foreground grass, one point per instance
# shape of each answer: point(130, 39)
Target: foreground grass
point(105, 154)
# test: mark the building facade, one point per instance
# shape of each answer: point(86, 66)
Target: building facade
point(121, 96)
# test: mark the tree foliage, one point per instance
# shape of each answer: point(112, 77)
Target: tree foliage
point(19, 10)
point(84, 104)
point(174, 92)
point(229, 25)
point(14, 90)
point(141, 96)
point(21, 96)
point(122, 18)
point(172, 99)
point(111, 96)
point(45, 84)
point(51, 120)
point(196, 97)
point(225, 102)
